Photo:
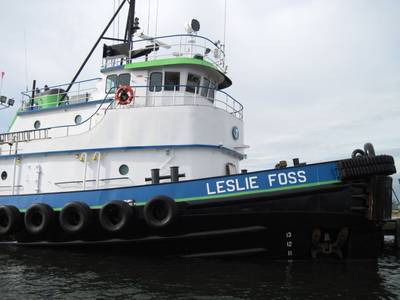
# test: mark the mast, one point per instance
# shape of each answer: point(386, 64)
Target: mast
point(132, 23)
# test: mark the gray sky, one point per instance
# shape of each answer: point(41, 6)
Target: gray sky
point(317, 78)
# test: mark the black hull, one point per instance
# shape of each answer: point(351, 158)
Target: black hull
point(340, 221)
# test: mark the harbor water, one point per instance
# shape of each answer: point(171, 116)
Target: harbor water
point(61, 274)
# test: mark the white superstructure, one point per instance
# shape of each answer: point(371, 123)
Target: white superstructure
point(84, 140)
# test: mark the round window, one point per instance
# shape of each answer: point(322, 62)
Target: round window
point(235, 133)
point(37, 124)
point(123, 170)
point(4, 175)
point(78, 119)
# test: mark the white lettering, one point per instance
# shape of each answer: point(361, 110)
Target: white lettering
point(247, 183)
point(292, 177)
point(302, 176)
point(282, 178)
point(209, 192)
point(238, 188)
point(253, 182)
point(230, 185)
point(220, 187)
point(271, 179)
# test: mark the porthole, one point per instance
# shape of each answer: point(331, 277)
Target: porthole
point(37, 124)
point(123, 170)
point(78, 119)
point(235, 133)
point(4, 175)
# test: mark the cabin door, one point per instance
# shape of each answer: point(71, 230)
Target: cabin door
point(139, 82)
point(155, 88)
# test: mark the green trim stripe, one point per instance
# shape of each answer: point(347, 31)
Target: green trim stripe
point(234, 195)
point(169, 62)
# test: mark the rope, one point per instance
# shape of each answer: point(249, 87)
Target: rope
point(114, 22)
point(118, 19)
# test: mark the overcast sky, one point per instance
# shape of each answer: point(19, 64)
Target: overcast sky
point(317, 78)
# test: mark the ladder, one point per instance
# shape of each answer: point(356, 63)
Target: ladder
point(23, 136)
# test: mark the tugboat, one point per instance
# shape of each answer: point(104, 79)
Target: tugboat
point(146, 157)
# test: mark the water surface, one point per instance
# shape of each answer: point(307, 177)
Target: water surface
point(59, 274)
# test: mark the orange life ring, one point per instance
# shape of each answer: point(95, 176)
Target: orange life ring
point(125, 95)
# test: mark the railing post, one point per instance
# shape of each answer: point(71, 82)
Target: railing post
point(180, 46)
point(173, 99)
point(15, 167)
point(98, 169)
point(79, 92)
point(85, 170)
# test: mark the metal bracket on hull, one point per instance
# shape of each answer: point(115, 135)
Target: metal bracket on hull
point(326, 246)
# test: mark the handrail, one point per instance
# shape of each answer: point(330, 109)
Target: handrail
point(234, 107)
point(24, 136)
point(4, 136)
point(180, 35)
point(28, 93)
point(177, 47)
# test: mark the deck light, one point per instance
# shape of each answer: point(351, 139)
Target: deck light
point(3, 99)
point(11, 102)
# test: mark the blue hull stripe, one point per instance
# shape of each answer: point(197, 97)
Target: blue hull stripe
point(193, 190)
point(155, 147)
point(63, 107)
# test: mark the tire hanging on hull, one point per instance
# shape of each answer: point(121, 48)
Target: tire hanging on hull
point(10, 220)
point(160, 212)
point(75, 218)
point(39, 218)
point(116, 216)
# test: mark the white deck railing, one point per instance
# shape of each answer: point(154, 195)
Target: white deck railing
point(179, 45)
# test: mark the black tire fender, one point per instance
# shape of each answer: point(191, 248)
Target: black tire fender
point(116, 216)
point(364, 166)
point(369, 149)
point(10, 219)
point(160, 212)
point(357, 153)
point(75, 217)
point(39, 218)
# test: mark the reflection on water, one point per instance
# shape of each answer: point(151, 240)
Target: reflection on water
point(34, 274)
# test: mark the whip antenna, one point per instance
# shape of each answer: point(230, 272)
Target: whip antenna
point(26, 60)
point(225, 9)
point(148, 17)
point(158, 5)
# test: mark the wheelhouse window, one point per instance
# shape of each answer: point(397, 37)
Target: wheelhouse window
point(211, 91)
point(124, 79)
point(111, 83)
point(204, 88)
point(155, 82)
point(171, 81)
point(193, 83)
